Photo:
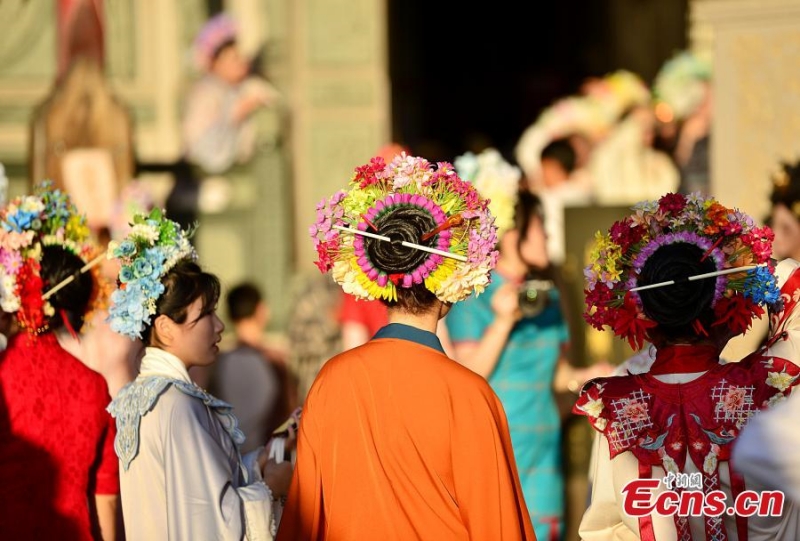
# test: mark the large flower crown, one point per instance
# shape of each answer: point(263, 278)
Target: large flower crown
point(26, 224)
point(154, 245)
point(465, 229)
point(727, 236)
point(496, 180)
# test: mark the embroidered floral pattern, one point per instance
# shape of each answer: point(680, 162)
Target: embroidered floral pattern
point(631, 417)
point(780, 380)
point(139, 397)
point(732, 403)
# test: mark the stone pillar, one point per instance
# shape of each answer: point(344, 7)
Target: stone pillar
point(755, 45)
point(339, 93)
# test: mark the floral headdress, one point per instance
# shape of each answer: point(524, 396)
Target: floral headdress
point(217, 31)
point(727, 236)
point(680, 85)
point(26, 224)
point(619, 91)
point(154, 245)
point(496, 180)
point(463, 241)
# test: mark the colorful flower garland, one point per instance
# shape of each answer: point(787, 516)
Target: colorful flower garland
point(727, 236)
point(465, 227)
point(26, 224)
point(153, 246)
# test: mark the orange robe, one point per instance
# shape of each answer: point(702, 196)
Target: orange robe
point(399, 442)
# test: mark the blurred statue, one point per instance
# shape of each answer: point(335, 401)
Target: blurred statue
point(81, 134)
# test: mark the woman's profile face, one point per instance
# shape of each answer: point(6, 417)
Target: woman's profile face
point(196, 339)
point(787, 233)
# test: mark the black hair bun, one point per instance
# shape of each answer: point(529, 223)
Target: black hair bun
point(675, 307)
point(404, 223)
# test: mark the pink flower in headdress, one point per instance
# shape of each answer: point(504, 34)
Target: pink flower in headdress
point(11, 260)
point(760, 242)
point(219, 30)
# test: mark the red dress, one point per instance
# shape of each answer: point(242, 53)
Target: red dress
point(56, 441)
point(372, 314)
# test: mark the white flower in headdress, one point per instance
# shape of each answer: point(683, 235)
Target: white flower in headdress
point(496, 180)
point(145, 232)
point(9, 300)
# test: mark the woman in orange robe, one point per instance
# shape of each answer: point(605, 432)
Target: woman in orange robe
point(398, 441)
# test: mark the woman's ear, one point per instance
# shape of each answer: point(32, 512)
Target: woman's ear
point(164, 330)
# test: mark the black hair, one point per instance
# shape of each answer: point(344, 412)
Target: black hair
point(676, 307)
point(786, 187)
point(561, 150)
point(183, 284)
point(243, 300)
point(528, 208)
point(72, 300)
point(403, 224)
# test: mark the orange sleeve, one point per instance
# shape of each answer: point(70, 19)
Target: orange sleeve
point(487, 486)
point(304, 515)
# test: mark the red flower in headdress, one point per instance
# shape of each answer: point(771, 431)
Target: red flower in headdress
point(29, 288)
point(672, 203)
point(625, 233)
point(737, 313)
point(630, 323)
point(368, 174)
point(325, 261)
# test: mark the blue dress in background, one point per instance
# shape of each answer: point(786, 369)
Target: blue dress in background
point(523, 380)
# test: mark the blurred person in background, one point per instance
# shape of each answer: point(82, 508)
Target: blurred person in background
point(785, 214)
point(624, 168)
point(217, 127)
point(520, 347)
point(564, 184)
point(683, 107)
point(57, 465)
point(253, 377)
point(315, 334)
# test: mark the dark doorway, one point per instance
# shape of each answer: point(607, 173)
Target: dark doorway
point(466, 77)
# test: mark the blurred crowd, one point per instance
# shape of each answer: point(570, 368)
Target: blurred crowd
point(616, 142)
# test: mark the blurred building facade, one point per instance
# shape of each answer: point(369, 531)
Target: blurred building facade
point(327, 59)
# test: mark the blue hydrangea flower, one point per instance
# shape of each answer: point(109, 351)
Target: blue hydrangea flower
point(125, 249)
